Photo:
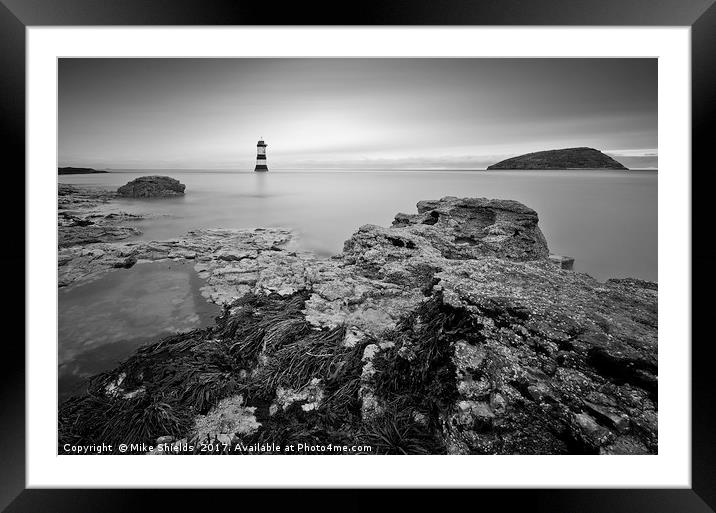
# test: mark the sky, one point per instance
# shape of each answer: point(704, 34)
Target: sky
point(351, 113)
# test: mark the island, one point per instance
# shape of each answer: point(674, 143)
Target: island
point(77, 171)
point(566, 158)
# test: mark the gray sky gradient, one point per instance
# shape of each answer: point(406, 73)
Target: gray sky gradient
point(351, 113)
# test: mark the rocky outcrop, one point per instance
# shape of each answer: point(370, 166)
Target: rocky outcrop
point(86, 216)
point(231, 262)
point(568, 158)
point(554, 362)
point(465, 228)
point(152, 187)
point(449, 332)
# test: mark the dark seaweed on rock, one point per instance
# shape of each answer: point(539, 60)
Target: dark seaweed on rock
point(155, 392)
point(416, 377)
point(418, 370)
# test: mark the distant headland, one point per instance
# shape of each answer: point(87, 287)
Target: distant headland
point(567, 158)
point(77, 171)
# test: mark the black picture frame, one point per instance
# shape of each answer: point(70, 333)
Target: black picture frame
point(17, 15)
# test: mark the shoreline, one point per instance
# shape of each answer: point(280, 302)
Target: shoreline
point(453, 324)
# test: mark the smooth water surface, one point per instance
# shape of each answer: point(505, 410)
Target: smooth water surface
point(101, 322)
point(606, 220)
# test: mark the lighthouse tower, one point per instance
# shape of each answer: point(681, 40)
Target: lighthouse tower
point(261, 156)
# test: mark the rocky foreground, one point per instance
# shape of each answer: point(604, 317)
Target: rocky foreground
point(451, 331)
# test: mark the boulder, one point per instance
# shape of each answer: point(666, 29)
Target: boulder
point(563, 262)
point(466, 228)
point(152, 187)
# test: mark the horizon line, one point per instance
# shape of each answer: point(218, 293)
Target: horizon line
point(345, 169)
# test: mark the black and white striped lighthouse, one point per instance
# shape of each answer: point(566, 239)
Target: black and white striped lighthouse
point(261, 156)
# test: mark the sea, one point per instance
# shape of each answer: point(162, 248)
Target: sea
point(606, 220)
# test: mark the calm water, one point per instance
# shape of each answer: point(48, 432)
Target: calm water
point(607, 220)
point(100, 323)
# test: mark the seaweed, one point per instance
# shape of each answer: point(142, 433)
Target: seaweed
point(96, 419)
point(154, 392)
point(294, 364)
point(157, 390)
point(320, 355)
point(260, 344)
point(419, 369)
point(395, 431)
point(416, 378)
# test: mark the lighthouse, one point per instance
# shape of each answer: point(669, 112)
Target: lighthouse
point(261, 156)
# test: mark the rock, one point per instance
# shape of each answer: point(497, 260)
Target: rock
point(114, 387)
point(81, 235)
point(591, 433)
point(420, 418)
point(152, 187)
point(625, 445)
point(470, 412)
point(466, 228)
point(230, 416)
point(125, 263)
point(608, 414)
point(370, 405)
point(353, 336)
point(607, 343)
point(567, 158)
point(453, 325)
point(539, 392)
point(226, 280)
point(309, 397)
point(563, 262)
point(86, 216)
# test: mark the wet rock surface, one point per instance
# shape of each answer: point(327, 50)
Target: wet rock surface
point(86, 216)
point(449, 332)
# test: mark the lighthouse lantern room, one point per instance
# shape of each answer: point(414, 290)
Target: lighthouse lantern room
point(261, 156)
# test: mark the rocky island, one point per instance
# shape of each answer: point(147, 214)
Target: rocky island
point(154, 186)
point(567, 158)
point(449, 332)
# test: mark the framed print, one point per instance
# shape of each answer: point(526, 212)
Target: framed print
point(449, 247)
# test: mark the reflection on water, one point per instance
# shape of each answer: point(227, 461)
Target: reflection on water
point(100, 323)
point(607, 220)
